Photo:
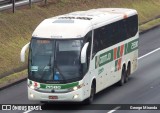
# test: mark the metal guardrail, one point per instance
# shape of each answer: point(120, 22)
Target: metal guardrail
point(5, 2)
point(12, 4)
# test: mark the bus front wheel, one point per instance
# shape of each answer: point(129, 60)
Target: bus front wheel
point(92, 94)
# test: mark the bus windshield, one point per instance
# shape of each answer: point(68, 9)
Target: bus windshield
point(55, 61)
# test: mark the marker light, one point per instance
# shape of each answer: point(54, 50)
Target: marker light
point(34, 86)
point(125, 16)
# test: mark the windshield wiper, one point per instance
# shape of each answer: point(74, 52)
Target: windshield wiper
point(43, 74)
point(60, 72)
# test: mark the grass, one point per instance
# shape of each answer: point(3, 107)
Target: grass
point(16, 29)
point(12, 78)
point(149, 25)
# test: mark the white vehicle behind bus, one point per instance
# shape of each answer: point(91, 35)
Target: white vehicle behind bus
point(74, 56)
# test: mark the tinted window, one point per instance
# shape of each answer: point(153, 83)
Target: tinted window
point(114, 33)
point(132, 26)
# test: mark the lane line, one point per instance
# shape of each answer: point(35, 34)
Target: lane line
point(115, 109)
point(149, 53)
point(28, 111)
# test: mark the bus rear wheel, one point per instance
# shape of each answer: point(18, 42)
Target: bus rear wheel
point(128, 72)
point(123, 77)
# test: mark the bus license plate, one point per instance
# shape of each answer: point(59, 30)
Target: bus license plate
point(53, 97)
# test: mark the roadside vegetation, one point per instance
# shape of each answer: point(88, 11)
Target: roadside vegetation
point(149, 25)
point(16, 29)
point(13, 78)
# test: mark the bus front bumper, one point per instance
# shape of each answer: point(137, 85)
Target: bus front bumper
point(56, 97)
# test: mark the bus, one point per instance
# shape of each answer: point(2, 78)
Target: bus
point(76, 55)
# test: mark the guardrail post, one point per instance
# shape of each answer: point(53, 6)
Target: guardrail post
point(45, 2)
point(30, 3)
point(13, 5)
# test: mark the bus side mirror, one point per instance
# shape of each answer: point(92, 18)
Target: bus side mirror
point(84, 53)
point(22, 55)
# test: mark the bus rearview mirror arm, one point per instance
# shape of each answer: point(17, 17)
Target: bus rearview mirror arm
point(22, 55)
point(84, 53)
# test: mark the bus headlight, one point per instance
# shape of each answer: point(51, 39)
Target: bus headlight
point(77, 87)
point(33, 87)
point(32, 95)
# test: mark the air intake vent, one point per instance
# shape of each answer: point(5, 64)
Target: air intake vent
point(66, 18)
point(82, 18)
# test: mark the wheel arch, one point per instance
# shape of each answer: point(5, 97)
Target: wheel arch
point(94, 83)
point(129, 66)
point(123, 65)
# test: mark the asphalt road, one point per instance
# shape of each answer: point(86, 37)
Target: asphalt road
point(143, 86)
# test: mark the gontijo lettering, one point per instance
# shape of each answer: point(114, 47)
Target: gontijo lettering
point(116, 53)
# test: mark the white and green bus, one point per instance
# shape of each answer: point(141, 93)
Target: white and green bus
point(74, 56)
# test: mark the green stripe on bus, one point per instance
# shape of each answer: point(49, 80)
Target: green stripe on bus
point(30, 82)
point(118, 52)
point(126, 48)
point(62, 86)
point(116, 63)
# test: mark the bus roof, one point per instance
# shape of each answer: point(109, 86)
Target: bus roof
point(77, 24)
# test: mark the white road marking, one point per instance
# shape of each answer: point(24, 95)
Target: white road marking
point(114, 109)
point(149, 53)
point(28, 111)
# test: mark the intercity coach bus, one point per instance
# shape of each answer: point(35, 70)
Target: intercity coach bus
point(76, 55)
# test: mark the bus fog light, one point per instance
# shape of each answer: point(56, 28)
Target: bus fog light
point(32, 95)
point(75, 96)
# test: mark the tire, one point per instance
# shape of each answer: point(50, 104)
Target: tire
point(123, 77)
point(92, 94)
point(126, 78)
point(128, 72)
